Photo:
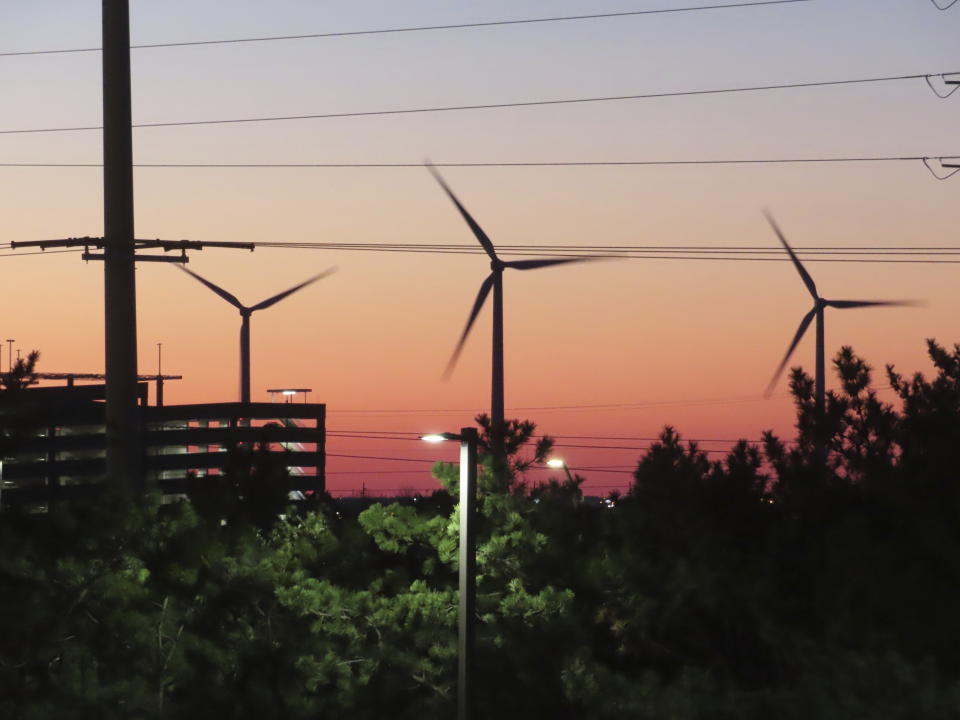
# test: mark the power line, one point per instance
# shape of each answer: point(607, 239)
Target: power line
point(605, 470)
point(883, 255)
point(861, 255)
point(379, 432)
point(631, 467)
point(559, 438)
point(598, 406)
point(756, 259)
point(345, 436)
point(417, 28)
point(560, 444)
point(507, 164)
point(573, 250)
point(375, 457)
point(646, 448)
point(567, 446)
point(731, 249)
point(41, 252)
point(564, 408)
point(397, 492)
point(491, 106)
point(582, 408)
point(416, 436)
point(372, 472)
point(642, 448)
point(553, 248)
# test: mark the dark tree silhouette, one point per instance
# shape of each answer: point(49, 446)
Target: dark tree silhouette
point(22, 374)
point(755, 586)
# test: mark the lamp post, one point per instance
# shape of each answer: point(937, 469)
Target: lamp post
point(466, 616)
point(10, 342)
point(558, 463)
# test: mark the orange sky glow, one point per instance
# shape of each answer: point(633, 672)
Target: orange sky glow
point(612, 349)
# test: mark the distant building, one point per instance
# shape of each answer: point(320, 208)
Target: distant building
point(53, 441)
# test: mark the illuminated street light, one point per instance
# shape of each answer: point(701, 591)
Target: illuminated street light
point(439, 437)
point(468, 564)
point(288, 394)
point(557, 463)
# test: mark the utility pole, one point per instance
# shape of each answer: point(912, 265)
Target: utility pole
point(123, 428)
point(120, 297)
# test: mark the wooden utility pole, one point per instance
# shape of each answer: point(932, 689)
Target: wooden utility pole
point(124, 461)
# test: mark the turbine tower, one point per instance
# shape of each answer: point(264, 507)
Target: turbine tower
point(494, 281)
point(245, 313)
point(819, 304)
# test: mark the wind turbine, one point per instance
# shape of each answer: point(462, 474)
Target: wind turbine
point(493, 281)
point(819, 304)
point(245, 313)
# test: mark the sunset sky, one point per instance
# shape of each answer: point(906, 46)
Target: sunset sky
point(681, 342)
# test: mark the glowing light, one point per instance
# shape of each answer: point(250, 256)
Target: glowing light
point(556, 463)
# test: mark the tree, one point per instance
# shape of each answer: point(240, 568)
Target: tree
point(22, 374)
point(750, 586)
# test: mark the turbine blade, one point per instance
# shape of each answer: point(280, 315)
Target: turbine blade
point(804, 324)
point(280, 296)
point(477, 230)
point(804, 275)
point(549, 262)
point(845, 304)
point(229, 297)
point(477, 306)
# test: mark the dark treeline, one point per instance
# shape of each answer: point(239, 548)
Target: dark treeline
point(762, 586)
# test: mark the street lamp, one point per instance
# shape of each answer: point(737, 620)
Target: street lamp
point(557, 463)
point(468, 565)
point(288, 394)
point(10, 342)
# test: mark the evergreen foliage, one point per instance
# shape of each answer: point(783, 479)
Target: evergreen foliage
point(762, 585)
